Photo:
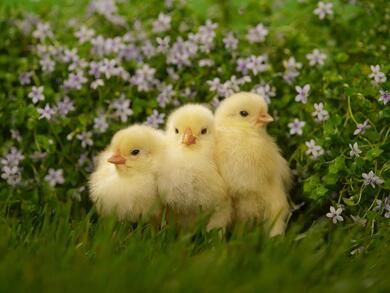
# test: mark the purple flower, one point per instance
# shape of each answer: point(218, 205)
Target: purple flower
point(320, 113)
point(385, 97)
point(109, 68)
point(25, 78)
point(361, 127)
point(257, 34)
point(46, 113)
point(303, 93)
point(11, 174)
point(316, 57)
point(84, 34)
point(371, 179)
point(55, 177)
point(100, 123)
point(97, 83)
point(15, 134)
point(230, 41)
point(165, 96)
point(64, 106)
point(355, 151)
point(144, 78)
point(257, 64)
point(12, 158)
point(323, 9)
point(36, 94)
point(162, 23)
point(75, 80)
point(205, 63)
point(163, 44)
point(122, 108)
point(296, 126)
point(376, 75)
point(264, 90)
point(314, 151)
point(335, 215)
point(156, 119)
point(47, 64)
point(42, 31)
point(85, 138)
point(70, 55)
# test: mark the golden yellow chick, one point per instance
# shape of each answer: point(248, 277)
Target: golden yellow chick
point(249, 160)
point(189, 180)
point(124, 182)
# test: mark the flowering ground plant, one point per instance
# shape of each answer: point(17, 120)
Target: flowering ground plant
point(73, 74)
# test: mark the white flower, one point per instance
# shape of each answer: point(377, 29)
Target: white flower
point(55, 177)
point(85, 138)
point(372, 179)
point(320, 113)
point(314, 150)
point(316, 57)
point(355, 151)
point(361, 127)
point(257, 34)
point(46, 112)
point(335, 215)
point(377, 76)
point(323, 9)
point(162, 23)
point(84, 34)
point(36, 94)
point(97, 83)
point(296, 127)
point(303, 93)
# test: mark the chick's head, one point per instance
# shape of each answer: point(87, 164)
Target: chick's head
point(136, 148)
point(245, 110)
point(191, 126)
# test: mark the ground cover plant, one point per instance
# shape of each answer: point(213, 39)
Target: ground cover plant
point(74, 72)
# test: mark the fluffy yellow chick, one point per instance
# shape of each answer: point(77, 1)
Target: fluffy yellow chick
point(249, 160)
point(189, 180)
point(124, 182)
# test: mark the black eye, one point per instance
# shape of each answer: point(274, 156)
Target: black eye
point(204, 131)
point(135, 152)
point(176, 130)
point(244, 113)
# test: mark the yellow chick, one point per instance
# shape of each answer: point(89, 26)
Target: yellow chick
point(257, 176)
point(124, 182)
point(189, 180)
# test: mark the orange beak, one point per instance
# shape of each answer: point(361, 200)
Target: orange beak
point(264, 118)
point(117, 159)
point(188, 137)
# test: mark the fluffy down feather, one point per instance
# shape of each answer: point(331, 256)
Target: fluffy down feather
point(124, 182)
point(249, 160)
point(189, 180)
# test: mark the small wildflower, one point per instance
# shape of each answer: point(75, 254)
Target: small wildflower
point(84, 34)
point(25, 78)
point(376, 75)
point(320, 113)
point(162, 24)
point(266, 91)
point(46, 113)
point(156, 119)
point(230, 41)
point(36, 94)
point(355, 151)
point(315, 151)
point(85, 138)
point(122, 108)
point(64, 106)
point(316, 57)
point(303, 93)
point(42, 31)
point(296, 127)
point(100, 123)
point(97, 83)
point(55, 177)
point(361, 127)
point(335, 215)
point(371, 179)
point(257, 34)
point(323, 9)
point(385, 97)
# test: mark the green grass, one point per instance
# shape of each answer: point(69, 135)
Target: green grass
point(54, 252)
